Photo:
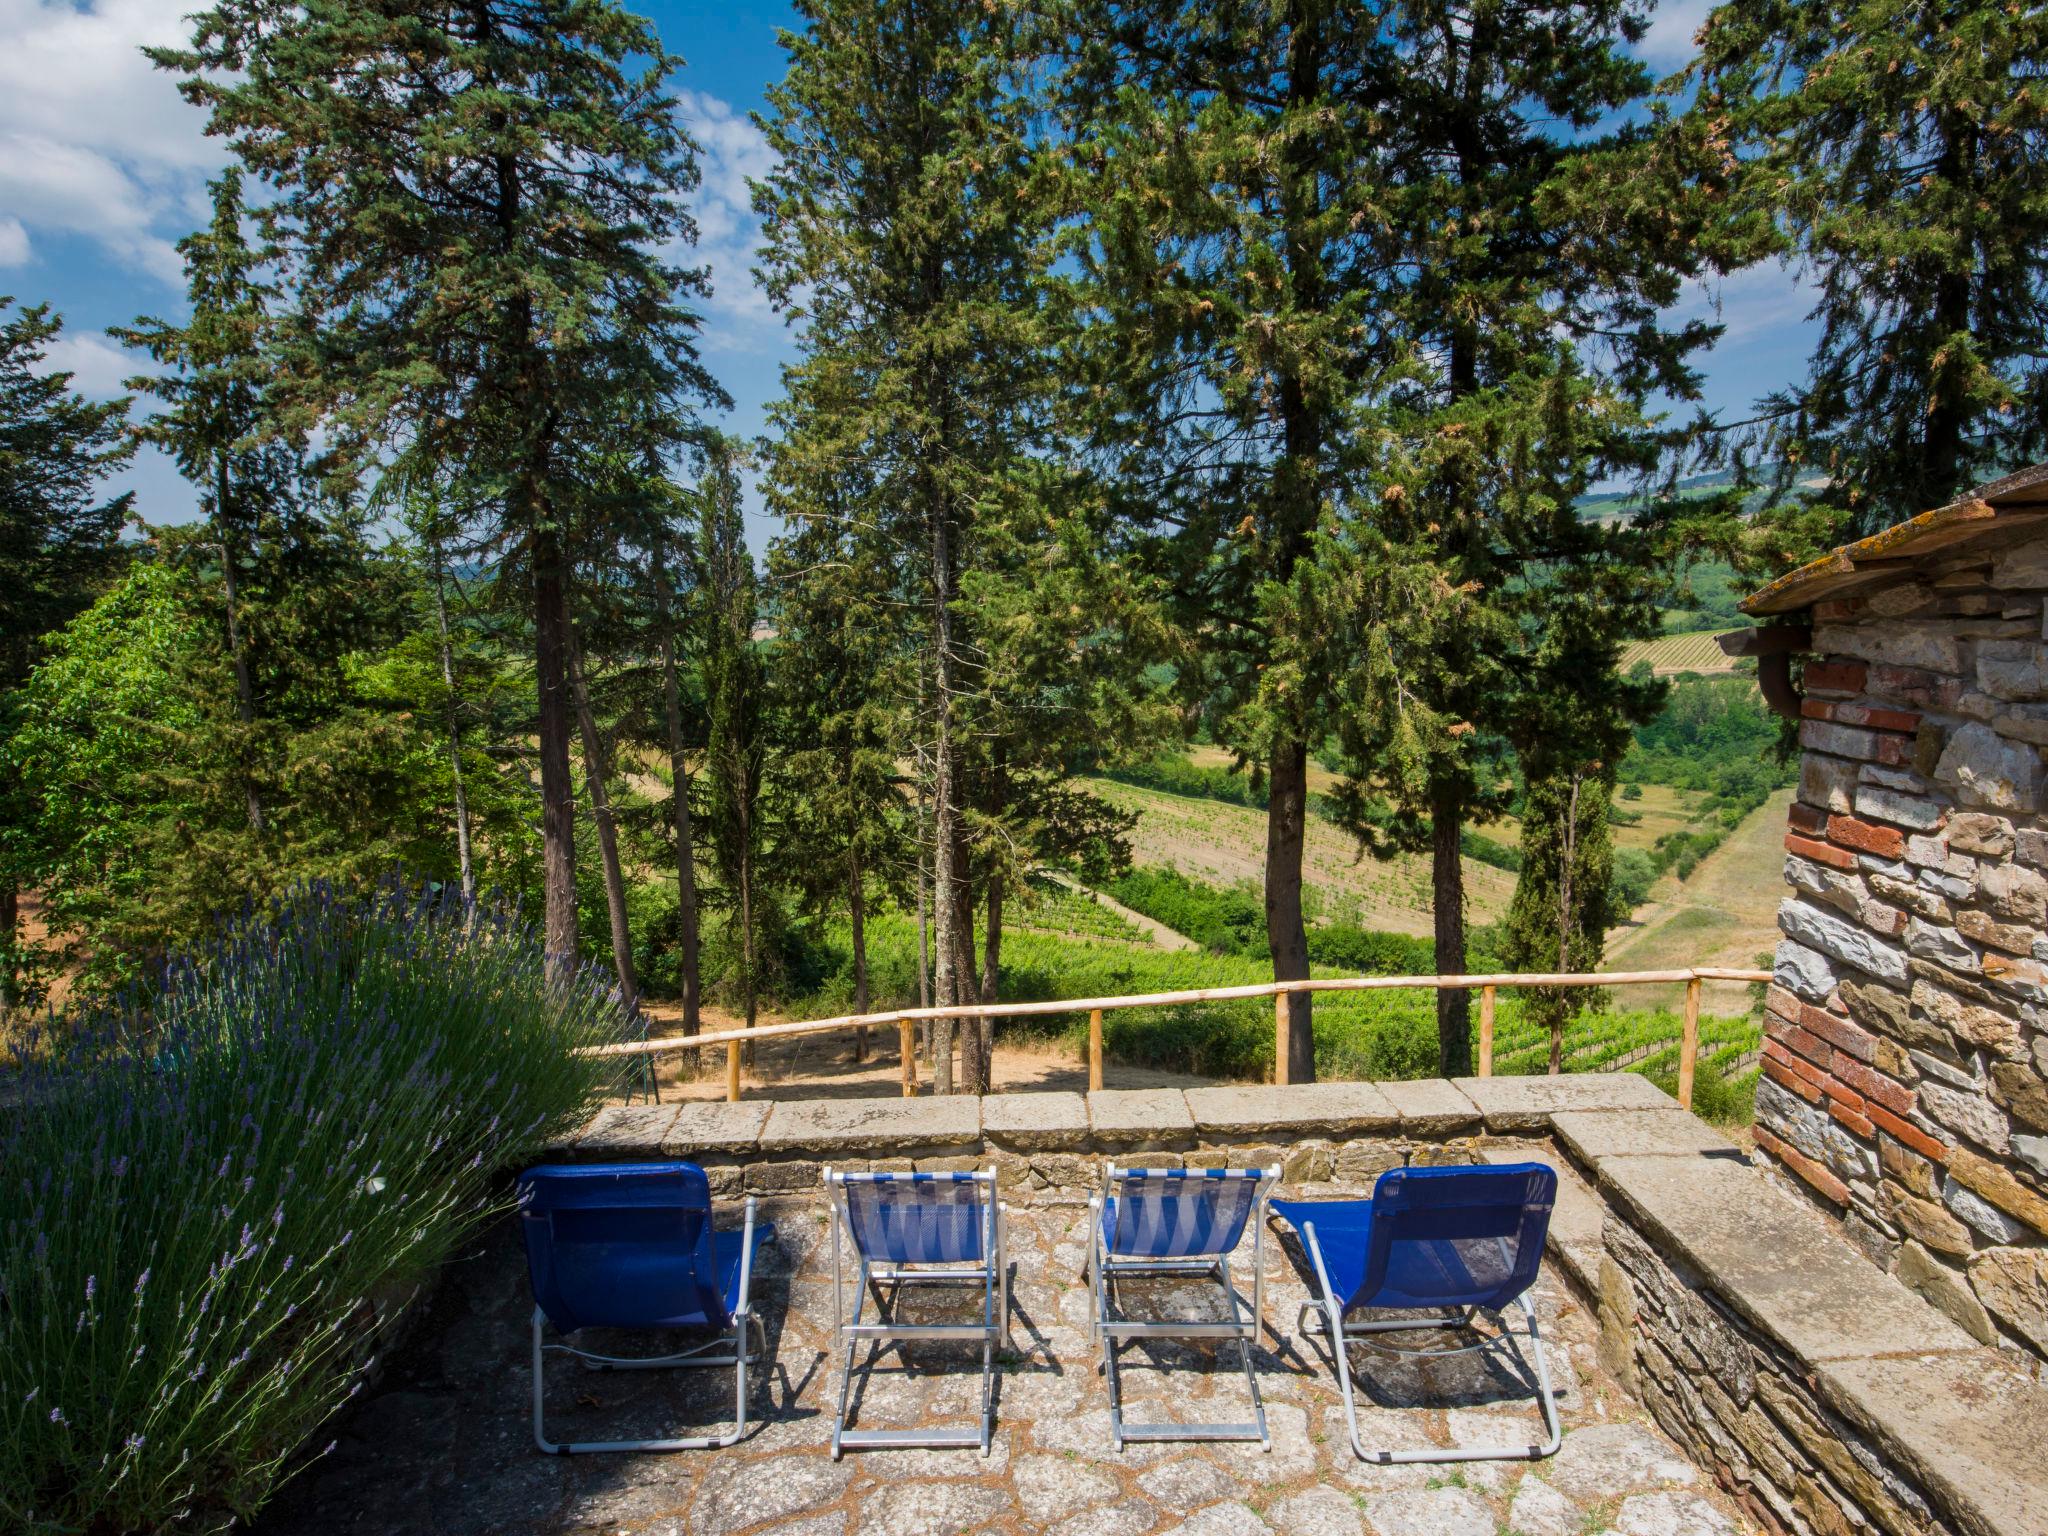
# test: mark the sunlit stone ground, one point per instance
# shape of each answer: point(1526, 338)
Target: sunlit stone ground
point(443, 1445)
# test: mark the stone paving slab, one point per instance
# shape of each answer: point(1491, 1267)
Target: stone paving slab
point(713, 1127)
point(1954, 1421)
point(1141, 1117)
point(1033, 1122)
point(1306, 1109)
point(442, 1444)
point(1669, 1131)
point(1527, 1103)
point(1778, 1264)
point(864, 1127)
point(1431, 1106)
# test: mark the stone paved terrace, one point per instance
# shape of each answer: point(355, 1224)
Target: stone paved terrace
point(1726, 1362)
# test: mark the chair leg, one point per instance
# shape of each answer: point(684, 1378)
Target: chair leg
point(739, 1362)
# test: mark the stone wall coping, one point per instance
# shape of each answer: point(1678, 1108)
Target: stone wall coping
point(1432, 1106)
point(860, 1127)
point(1967, 1427)
point(623, 1131)
point(1777, 1264)
point(1304, 1109)
point(1035, 1121)
point(716, 1128)
point(1590, 1135)
point(1141, 1117)
point(1527, 1103)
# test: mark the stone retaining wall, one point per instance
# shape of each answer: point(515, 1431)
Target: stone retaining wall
point(1826, 1395)
point(1906, 1061)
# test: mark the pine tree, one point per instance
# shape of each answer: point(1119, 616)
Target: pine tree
point(1900, 150)
point(58, 545)
point(899, 232)
point(470, 200)
point(1527, 256)
point(1227, 337)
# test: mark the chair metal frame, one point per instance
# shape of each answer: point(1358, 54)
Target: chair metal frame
point(739, 1358)
point(1332, 1325)
point(1105, 1268)
point(991, 1272)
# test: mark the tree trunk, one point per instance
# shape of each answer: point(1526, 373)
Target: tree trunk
point(595, 775)
point(1447, 886)
point(945, 814)
point(557, 787)
point(1286, 826)
point(856, 913)
point(686, 848)
point(238, 650)
point(454, 724)
point(10, 971)
point(1569, 851)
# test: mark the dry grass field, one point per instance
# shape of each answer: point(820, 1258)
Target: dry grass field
point(1222, 844)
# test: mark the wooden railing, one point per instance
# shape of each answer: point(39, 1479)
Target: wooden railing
point(905, 1019)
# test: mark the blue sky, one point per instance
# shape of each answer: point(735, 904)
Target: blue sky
point(103, 168)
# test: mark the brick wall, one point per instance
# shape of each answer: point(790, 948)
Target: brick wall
point(1906, 1056)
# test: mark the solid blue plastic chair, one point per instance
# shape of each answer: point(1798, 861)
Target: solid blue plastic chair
point(1177, 1221)
point(631, 1245)
point(1456, 1240)
point(917, 1229)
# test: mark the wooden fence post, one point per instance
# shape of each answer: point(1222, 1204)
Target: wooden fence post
point(1486, 995)
point(1283, 1036)
point(906, 1038)
point(1095, 1050)
point(1689, 1045)
point(732, 1071)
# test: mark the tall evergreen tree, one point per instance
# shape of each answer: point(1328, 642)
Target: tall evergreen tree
point(471, 199)
point(58, 540)
point(1899, 148)
point(1529, 254)
point(899, 233)
point(1225, 166)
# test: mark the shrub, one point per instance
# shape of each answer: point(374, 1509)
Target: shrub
point(203, 1206)
point(1230, 920)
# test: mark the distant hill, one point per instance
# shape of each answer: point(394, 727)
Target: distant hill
point(1610, 504)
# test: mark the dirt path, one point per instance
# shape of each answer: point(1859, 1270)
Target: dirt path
point(823, 1067)
point(1158, 932)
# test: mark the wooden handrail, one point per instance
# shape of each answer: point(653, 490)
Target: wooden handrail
point(1174, 999)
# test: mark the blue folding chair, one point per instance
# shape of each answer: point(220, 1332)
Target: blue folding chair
point(630, 1245)
point(917, 1229)
point(1177, 1221)
point(1451, 1240)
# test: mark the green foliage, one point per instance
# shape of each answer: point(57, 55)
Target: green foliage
point(1713, 736)
point(1564, 901)
point(1227, 921)
point(1176, 774)
point(202, 1205)
point(1897, 150)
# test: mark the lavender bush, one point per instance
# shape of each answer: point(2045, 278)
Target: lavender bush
point(198, 1206)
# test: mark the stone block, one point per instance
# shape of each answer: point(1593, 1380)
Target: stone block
point(2015, 892)
point(1900, 645)
point(1981, 1213)
point(1989, 772)
point(624, 1133)
point(1924, 1219)
point(1032, 1122)
point(2012, 669)
point(1302, 1109)
point(2033, 1152)
point(1981, 833)
point(1826, 880)
point(1141, 1117)
point(2020, 1091)
point(1905, 810)
point(1941, 944)
point(716, 1128)
point(1069, 1171)
point(1982, 928)
point(1997, 1184)
point(1361, 1162)
point(1805, 971)
point(1915, 899)
point(792, 1175)
point(1946, 1289)
point(1778, 1265)
point(1966, 1112)
point(874, 1127)
point(1666, 1132)
point(1432, 1107)
point(1842, 941)
point(2013, 1284)
point(1528, 1103)
point(1961, 1426)
point(1828, 783)
point(1838, 740)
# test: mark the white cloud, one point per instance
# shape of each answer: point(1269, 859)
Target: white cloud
point(730, 150)
point(98, 367)
point(1755, 303)
point(1671, 41)
point(13, 243)
point(94, 139)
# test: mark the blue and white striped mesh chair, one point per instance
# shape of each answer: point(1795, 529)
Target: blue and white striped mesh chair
point(1174, 1221)
point(917, 1229)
